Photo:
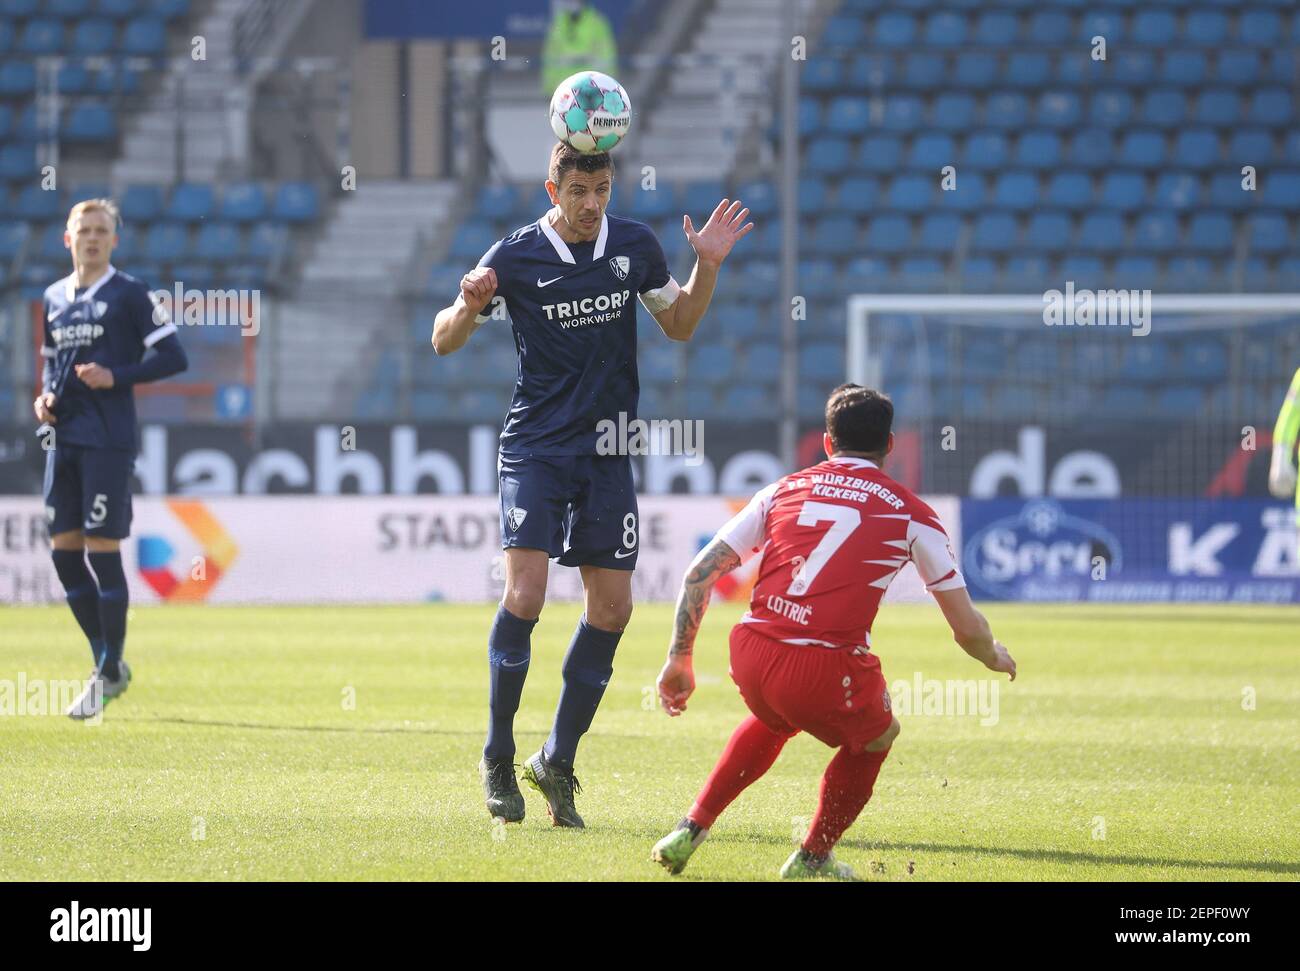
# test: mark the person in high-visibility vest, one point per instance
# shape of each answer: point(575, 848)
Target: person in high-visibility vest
point(580, 39)
point(1282, 473)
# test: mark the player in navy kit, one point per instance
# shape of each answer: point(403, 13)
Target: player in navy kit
point(568, 282)
point(99, 324)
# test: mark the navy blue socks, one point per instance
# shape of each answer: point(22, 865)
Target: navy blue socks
point(83, 595)
point(587, 669)
point(113, 604)
point(509, 650)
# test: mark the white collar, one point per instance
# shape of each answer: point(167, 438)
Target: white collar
point(856, 461)
point(562, 248)
point(70, 287)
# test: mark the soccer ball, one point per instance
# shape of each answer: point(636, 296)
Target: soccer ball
point(590, 112)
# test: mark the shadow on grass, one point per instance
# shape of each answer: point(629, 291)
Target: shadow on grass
point(343, 729)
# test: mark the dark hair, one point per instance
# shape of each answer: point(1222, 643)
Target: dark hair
point(566, 159)
point(859, 419)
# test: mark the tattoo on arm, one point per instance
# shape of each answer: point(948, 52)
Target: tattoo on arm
point(716, 561)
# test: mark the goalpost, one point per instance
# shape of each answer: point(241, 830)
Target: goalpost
point(1095, 434)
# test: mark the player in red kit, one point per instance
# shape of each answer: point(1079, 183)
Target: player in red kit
point(832, 537)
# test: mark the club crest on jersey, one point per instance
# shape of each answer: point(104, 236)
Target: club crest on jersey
point(101, 308)
point(620, 265)
point(515, 517)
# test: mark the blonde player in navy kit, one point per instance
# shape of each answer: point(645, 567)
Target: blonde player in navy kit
point(569, 281)
point(99, 326)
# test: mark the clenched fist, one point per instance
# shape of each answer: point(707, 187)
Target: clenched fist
point(477, 288)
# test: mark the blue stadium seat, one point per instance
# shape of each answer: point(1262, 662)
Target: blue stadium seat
point(763, 363)
point(995, 232)
point(759, 197)
point(986, 150)
point(1218, 106)
point(1251, 146)
point(996, 28)
point(218, 243)
point(844, 32)
point(1084, 270)
point(1110, 109)
point(1049, 232)
point(1048, 28)
point(144, 36)
point(1176, 190)
point(13, 238)
point(945, 29)
point(473, 238)
point(1027, 69)
point(1006, 110)
point(169, 9)
point(812, 195)
point(702, 198)
point(93, 37)
point(1184, 68)
point(167, 242)
point(73, 78)
point(858, 195)
point(1181, 402)
point(920, 273)
point(1136, 272)
point(1155, 232)
point(760, 279)
point(1016, 190)
point(810, 116)
point(1282, 189)
point(1100, 232)
point(297, 202)
point(865, 273)
point(1196, 148)
point(847, 115)
point(879, 153)
point(17, 78)
point(825, 156)
point(1142, 150)
point(739, 401)
point(119, 9)
point(90, 122)
point(1238, 67)
point(1209, 232)
point(1103, 23)
point(894, 29)
point(6, 36)
point(1271, 106)
point(50, 245)
point(1192, 273)
point(142, 203)
point(1206, 28)
point(1135, 69)
point(932, 151)
point(1226, 192)
point(870, 72)
point(1164, 108)
point(1204, 359)
point(822, 362)
point(1259, 28)
point(939, 233)
point(970, 194)
point(888, 234)
point(1091, 148)
point(87, 190)
point(975, 69)
point(911, 193)
point(903, 112)
point(243, 202)
point(817, 276)
point(38, 205)
point(269, 244)
point(1038, 150)
point(1153, 28)
point(710, 363)
point(191, 202)
point(1268, 233)
point(498, 202)
point(41, 36)
point(822, 74)
point(17, 161)
point(1144, 361)
point(1123, 190)
point(67, 9)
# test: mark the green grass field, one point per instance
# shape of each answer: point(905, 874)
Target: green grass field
point(1123, 752)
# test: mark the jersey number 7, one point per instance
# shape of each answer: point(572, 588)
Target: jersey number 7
point(843, 519)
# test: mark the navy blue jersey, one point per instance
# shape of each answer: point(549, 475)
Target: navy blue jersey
point(574, 320)
point(111, 323)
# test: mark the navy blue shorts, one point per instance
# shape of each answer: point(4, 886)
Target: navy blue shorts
point(89, 489)
point(579, 508)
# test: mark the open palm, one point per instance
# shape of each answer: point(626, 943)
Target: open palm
point(725, 226)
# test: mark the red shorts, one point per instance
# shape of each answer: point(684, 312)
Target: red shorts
point(835, 695)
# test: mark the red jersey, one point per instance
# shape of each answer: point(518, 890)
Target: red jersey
point(833, 537)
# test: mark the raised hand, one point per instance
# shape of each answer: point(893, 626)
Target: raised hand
point(725, 226)
point(477, 287)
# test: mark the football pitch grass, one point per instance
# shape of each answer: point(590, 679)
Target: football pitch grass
point(1139, 743)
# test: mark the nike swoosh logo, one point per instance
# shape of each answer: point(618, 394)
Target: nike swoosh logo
point(548, 282)
point(507, 664)
point(623, 554)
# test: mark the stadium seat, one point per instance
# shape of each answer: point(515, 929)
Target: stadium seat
point(297, 202)
point(1100, 232)
point(847, 115)
point(1135, 273)
point(17, 78)
point(822, 74)
point(1240, 67)
point(13, 239)
point(887, 234)
point(17, 161)
point(1226, 192)
point(166, 242)
point(995, 232)
point(939, 233)
point(73, 78)
point(1038, 150)
point(40, 37)
point(1281, 188)
point(1006, 110)
point(946, 29)
point(826, 156)
point(1271, 106)
point(910, 193)
point(1180, 403)
point(923, 70)
point(1110, 109)
point(243, 202)
point(1027, 69)
point(1206, 28)
point(759, 197)
point(191, 202)
point(1153, 28)
point(93, 37)
point(986, 150)
point(1218, 106)
point(879, 153)
point(1251, 146)
point(1155, 232)
point(218, 243)
point(1210, 232)
point(1268, 233)
point(1196, 148)
point(1135, 69)
point(902, 112)
point(1204, 359)
point(870, 72)
point(1123, 190)
point(975, 69)
point(932, 151)
point(893, 29)
point(38, 205)
point(1016, 190)
point(996, 28)
point(1049, 232)
point(269, 244)
point(833, 236)
point(858, 195)
point(90, 122)
point(1176, 190)
point(50, 246)
point(144, 36)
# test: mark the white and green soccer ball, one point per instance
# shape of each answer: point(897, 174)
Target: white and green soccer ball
point(590, 112)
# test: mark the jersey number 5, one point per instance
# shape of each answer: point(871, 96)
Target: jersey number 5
point(843, 519)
